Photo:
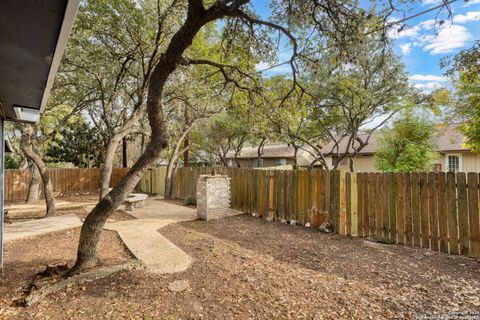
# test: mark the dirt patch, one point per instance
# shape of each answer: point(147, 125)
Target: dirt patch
point(246, 268)
point(24, 258)
point(178, 202)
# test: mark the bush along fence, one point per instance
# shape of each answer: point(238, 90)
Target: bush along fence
point(438, 211)
point(65, 182)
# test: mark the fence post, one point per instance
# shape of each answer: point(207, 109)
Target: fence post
point(354, 204)
point(270, 195)
point(335, 200)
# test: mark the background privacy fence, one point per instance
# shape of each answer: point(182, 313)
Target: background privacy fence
point(70, 181)
point(438, 211)
point(153, 181)
point(65, 181)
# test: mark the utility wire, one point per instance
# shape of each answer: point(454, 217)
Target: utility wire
point(446, 3)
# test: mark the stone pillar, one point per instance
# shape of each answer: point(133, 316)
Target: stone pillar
point(213, 196)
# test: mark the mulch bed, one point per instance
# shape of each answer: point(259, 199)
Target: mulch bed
point(25, 257)
point(247, 268)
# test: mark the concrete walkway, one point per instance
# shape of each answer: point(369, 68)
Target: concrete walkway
point(19, 230)
point(142, 238)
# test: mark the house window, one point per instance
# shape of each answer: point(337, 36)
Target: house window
point(280, 162)
point(453, 163)
point(230, 163)
point(250, 163)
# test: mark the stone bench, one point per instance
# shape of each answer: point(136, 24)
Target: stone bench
point(135, 200)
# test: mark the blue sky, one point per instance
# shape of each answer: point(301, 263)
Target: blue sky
point(423, 42)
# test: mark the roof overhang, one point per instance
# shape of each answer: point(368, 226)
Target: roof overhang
point(33, 36)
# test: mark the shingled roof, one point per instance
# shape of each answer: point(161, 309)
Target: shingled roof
point(448, 139)
point(279, 151)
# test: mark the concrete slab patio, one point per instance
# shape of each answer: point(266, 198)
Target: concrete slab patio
point(20, 230)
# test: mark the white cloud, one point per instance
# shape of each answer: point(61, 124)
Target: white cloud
point(431, 2)
point(406, 48)
point(427, 77)
point(471, 2)
point(428, 86)
point(428, 24)
point(262, 65)
point(416, 31)
point(464, 18)
point(448, 38)
point(404, 33)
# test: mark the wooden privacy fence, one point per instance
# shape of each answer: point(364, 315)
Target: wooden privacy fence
point(65, 181)
point(438, 211)
point(153, 181)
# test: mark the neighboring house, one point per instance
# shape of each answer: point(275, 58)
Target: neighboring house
point(33, 35)
point(272, 155)
point(454, 155)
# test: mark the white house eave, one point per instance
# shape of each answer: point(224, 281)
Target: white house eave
point(67, 24)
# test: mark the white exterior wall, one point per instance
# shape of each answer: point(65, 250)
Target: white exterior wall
point(362, 164)
point(469, 161)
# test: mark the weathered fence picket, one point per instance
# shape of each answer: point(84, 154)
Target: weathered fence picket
point(437, 211)
point(65, 181)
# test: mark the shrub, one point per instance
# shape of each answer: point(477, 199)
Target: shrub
point(190, 201)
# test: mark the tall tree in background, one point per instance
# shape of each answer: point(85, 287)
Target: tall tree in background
point(35, 138)
point(465, 101)
point(29, 145)
point(77, 143)
point(352, 99)
point(224, 133)
point(110, 57)
point(408, 145)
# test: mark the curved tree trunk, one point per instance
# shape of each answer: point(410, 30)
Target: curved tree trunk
point(107, 167)
point(169, 179)
point(95, 220)
point(27, 148)
point(237, 161)
point(352, 164)
point(34, 186)
point(169, 176)
point(295, 157)
point(174, 160)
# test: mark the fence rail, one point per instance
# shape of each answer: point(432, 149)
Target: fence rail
point(438, 211)
point(65, 181)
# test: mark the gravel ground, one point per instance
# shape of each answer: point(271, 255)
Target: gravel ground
point(247, 268)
